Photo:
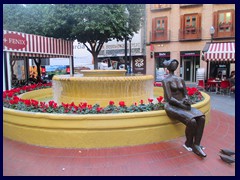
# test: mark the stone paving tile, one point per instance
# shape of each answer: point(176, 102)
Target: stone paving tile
point(166, 158)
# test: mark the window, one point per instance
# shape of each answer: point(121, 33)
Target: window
point(159, 29)
point(224, 23)
point(190, 21)
point(190, 27)
point(160, 24)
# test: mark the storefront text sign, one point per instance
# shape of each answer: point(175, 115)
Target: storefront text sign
point(14, 41)
point(139, 66)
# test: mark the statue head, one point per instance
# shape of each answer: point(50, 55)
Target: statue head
point(171, 64)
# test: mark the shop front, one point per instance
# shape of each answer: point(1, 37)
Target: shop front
point(19, 48)
point(160, 71)
point(219, 57)
point(189, 63)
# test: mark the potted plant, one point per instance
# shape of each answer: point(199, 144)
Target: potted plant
point(190, 27)
point(224, 25)
point(160, 29)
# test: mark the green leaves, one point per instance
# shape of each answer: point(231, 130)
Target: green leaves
point(84, 22)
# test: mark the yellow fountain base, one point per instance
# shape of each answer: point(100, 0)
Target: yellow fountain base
point(103, 73)
point(93, 131)
point(103, 86)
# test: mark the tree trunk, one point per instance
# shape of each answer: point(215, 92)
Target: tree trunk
point(38, 63)
point(95, 59)
point(12, 65)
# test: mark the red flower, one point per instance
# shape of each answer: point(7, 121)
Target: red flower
point(90, 107)
point(191, 92)
point(150, 100)
point(83, 105)
point(4, 94)
point(65, 105)
point(111, 103)
point(99, 109)
point(10, 94)
point(122, 103)
point(141, 102)
point(34, 102)
point(12, 101)
point(160, 98)
point(52, 104)
point(27, 102)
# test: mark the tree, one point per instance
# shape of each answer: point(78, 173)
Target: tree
point(95, 24)
point(90, 24)
point(29, 18)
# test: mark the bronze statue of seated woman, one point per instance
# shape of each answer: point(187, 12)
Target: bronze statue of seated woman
point(178, 106)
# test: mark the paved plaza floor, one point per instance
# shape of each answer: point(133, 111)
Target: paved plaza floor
point(166, 158)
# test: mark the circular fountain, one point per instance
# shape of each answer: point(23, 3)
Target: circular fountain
point(101, 86)
point(95, 130)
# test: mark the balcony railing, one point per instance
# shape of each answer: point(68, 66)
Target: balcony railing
point(190, 33)
point(156, 7)
point(221, 33)
point(160, 35)
point(187, 5)
point(224, 25)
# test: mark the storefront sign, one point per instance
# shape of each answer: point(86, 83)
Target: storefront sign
point(190, 53)
point(139, 66)
point(14, 41)
point(162, 54)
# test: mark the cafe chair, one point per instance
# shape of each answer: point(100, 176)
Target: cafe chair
point(224, 87)
point(201, 85)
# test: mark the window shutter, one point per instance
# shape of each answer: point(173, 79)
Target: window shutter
point(199, 21)
point(182, 22)
point(233, 22)
point(153, 28)
point(166, 23)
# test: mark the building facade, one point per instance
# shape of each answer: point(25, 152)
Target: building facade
point(182, 31)
point(114, 51)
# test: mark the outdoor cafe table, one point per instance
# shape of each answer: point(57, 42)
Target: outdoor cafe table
point(216, 83)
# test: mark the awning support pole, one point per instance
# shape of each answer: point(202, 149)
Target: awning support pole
point(9, 74)
point(71, 66)
point(207, 70)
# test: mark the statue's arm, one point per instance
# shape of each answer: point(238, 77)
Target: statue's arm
point(169, 98)
point(186, 100)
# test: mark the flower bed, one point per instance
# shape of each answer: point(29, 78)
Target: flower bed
point(12, 101)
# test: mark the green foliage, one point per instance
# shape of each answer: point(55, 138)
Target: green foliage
point(94, 24)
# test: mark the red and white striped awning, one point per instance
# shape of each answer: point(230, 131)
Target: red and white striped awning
point(220, 52)
point(22, 44)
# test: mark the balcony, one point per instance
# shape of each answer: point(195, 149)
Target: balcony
point(189, 5)
point(160, 7)
point(224, 25)
point(190, 34)
point(160, 35)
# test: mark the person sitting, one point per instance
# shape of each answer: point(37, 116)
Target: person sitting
point(178, 106)
point(219, 75)
point(232, 78)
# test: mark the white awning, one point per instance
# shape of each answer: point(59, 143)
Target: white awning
point(220, 52)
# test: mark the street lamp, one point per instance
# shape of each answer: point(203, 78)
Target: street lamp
point(130, 53)
point(127, 15)
point(212, 31)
